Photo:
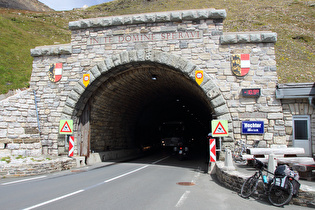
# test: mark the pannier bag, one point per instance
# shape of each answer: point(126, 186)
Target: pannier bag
point(281, 182)
point(282, 175)
point(282, 170)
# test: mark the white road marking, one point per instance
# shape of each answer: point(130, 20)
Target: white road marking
point(79, 191)
point(53, 200)
point(182, 199)
point(23, 180)
point(160, 160)
point(117, 177)
point(196, 176)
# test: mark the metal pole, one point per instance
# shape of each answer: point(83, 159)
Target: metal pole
point(36, 111)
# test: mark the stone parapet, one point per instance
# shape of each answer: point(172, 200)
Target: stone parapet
point(37, 167)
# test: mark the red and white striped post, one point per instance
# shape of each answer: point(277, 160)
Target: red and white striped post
point(212, 150)
point(71, 146)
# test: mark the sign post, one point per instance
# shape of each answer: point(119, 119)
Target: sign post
point(66, 127)
point(219, 129)
point(212, 150)
point(71, 146)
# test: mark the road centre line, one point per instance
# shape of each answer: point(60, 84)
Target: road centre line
point(79, 191)
point(23, 180)
point(160, 160)
point(117, 177)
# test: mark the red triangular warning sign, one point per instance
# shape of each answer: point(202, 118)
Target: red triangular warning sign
point(66, 128)
point(219, 129)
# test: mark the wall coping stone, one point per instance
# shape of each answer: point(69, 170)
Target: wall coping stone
point(250, 37)
point(52, 50)
point(148, 18)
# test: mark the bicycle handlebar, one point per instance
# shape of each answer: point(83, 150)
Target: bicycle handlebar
point(262, 166)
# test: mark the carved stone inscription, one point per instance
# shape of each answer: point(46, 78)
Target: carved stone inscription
point(146, 37)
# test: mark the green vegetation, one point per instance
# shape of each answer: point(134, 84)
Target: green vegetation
point(292, 20)
point(20, 157)
point(6, 159)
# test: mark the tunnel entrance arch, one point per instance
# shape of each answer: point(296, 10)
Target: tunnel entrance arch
point(131, 93)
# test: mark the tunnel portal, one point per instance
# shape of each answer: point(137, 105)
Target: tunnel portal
point(128, 108)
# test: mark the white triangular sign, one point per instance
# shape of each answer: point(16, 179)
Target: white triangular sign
point(220, 129)
point(65, 128)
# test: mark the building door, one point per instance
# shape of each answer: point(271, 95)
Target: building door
point(302, 133)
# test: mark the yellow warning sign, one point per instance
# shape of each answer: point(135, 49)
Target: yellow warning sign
point(86, 79)
point(66, 127)
point(219, 128)
point(199, 76)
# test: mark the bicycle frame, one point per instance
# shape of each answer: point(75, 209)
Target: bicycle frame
point(277, 195)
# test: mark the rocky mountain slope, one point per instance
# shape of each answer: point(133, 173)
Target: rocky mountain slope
point(32, 5)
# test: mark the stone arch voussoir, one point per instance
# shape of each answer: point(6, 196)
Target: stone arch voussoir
point(80, 94)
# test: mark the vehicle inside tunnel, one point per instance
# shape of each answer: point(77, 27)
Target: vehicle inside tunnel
point(128, 109)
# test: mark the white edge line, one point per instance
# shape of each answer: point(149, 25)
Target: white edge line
point(53, 200)
point(24, 180)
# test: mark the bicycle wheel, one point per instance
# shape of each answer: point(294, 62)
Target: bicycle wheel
point(279, 196)
point(249, 186)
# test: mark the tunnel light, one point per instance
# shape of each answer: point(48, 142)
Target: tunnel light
point(154, 77)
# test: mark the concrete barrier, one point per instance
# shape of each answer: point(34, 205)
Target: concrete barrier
point(99, 157)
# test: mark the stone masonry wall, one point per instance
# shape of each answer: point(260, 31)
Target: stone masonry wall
point(196, 36)
point(19, 132)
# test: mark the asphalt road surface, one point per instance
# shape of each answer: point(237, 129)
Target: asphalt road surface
point(154, 182)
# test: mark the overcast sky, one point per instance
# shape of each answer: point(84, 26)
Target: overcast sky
point(70, 4)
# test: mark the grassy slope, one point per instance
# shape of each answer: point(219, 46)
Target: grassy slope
point(293, 20)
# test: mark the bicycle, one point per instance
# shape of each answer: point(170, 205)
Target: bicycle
point(278, 189)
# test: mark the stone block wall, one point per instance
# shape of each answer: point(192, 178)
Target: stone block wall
point(19, 131)
point(37, 168)
point(195, 37)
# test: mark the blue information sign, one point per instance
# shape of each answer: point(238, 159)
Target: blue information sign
point(253, 127)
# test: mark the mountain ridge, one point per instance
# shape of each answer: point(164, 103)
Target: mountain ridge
point(32, 5)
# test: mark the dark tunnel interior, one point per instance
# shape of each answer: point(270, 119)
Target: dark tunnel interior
point(129, 108)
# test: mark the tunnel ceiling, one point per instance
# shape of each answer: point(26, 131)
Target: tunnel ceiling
point(144, 95)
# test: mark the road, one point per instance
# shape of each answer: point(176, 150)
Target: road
point(152, 182)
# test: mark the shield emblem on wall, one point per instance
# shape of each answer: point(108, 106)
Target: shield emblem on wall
point(240, 64)
point(55, 72)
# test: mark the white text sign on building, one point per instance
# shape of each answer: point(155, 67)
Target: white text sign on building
point(253, 127)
